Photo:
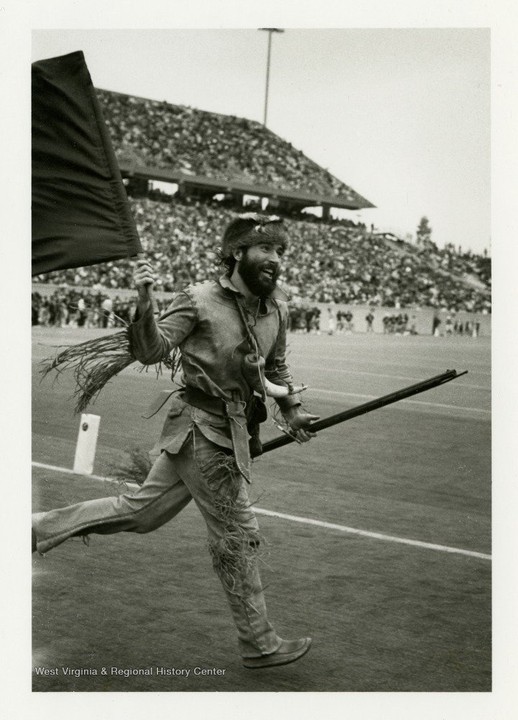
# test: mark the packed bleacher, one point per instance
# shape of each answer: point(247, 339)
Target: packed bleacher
point(327, 261)
point(197, 142)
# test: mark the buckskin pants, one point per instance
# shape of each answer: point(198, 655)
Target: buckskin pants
point(206, 473)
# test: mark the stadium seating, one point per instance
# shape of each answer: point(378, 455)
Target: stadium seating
point(327, 262)
point(202, 143)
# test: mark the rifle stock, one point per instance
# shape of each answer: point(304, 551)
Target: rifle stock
point(367, 407)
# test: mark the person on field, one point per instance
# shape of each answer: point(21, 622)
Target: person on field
point(231, 336)
point(331, 321)
point(435, 325)
point(369, 318)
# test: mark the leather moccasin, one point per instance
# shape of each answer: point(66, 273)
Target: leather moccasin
point(288, 651)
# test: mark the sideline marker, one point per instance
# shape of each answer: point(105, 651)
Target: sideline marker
point(86, 444)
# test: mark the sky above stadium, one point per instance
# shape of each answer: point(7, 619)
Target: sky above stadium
point(401, 115)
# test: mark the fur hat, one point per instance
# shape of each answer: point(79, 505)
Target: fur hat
point(250, 229)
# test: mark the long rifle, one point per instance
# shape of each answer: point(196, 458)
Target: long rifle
point(368, 407)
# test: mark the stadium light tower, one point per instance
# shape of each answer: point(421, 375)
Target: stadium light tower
point(270, 31)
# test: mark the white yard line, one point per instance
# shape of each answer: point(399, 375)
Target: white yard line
point(398, 360)
point(407, 378)
point(410, 402)
point(307, 521)
point(375, 535)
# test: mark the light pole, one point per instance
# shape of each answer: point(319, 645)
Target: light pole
point(270, 31)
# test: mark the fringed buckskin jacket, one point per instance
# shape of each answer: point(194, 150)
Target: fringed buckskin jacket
point(206, 324)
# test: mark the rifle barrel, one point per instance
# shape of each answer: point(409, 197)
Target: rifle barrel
point(368, 407)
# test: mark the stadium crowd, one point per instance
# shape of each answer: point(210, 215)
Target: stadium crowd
point(197, 142)
point(68, 306)
point(331, 262)
point(326, 262)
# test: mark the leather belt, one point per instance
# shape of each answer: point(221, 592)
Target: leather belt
point(235, 411)
point(201, 400)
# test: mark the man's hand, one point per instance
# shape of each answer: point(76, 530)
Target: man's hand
point(144, 279)
point(300, 422)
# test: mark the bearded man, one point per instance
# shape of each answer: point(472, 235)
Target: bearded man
point(231, 334)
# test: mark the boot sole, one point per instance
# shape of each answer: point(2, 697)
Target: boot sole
point(274, 660)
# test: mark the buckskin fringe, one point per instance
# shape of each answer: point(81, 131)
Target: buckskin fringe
point(235, 554)
point(95, 362)
point(134, 467)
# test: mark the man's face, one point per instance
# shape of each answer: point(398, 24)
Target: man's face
point(259, 267)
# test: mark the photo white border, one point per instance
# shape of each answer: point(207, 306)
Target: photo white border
point(17, 20)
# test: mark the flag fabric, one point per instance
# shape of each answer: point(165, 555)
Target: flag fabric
point(80, 210)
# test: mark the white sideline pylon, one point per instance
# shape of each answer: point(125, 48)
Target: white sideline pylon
point(86, 444)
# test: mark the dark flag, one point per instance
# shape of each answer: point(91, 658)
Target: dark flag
point(80, 211)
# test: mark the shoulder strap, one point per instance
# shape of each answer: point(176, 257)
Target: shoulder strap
point(254, 345)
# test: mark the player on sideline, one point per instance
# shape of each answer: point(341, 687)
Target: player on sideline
point(231, 334)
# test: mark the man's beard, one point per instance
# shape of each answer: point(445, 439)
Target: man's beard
point(257, 282)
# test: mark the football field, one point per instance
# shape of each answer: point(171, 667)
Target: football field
point(378, 537)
